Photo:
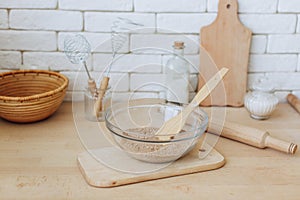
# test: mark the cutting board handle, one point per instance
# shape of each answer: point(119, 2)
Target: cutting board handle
point(228, 8)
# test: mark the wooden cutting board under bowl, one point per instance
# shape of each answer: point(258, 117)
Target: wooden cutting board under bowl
point(94, 165)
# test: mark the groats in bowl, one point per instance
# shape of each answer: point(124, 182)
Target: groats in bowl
point(31, 95)
point(133, 129)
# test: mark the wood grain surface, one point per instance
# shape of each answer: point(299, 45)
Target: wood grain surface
point(39, 161)
point(99, 175)
point(225, 43)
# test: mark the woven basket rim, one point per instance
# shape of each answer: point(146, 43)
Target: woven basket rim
point(36, 96)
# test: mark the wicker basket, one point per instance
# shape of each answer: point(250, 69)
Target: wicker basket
point(31, 95)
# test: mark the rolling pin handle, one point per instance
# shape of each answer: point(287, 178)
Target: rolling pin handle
point(280, 145)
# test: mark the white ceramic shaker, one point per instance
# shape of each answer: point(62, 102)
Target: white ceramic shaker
point(261, 101)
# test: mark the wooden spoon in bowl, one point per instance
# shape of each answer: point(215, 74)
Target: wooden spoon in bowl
point(175, 124)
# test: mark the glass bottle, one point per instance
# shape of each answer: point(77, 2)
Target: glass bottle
point(177, 76)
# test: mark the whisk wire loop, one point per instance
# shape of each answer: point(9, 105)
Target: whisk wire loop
point(119, 35)
point(77, 48)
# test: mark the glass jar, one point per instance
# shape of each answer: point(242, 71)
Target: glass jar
point(261, 102)
point(176, 76)
point(90, 102)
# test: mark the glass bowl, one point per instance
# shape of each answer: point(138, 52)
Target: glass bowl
point(133, 129)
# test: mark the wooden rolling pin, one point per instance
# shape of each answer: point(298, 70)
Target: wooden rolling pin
point(294, 101)
point(251, 136)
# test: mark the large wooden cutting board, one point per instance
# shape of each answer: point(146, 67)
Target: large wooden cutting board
point(225, 43)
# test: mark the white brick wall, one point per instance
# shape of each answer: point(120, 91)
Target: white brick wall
point(170, 5)
point(193, 60)
point(27, 40)
point(46, 20)
point(155, 82)
point(285, 81)
point(119, 82)
point(193, 82)
point(3, 19)
point(191, 23)
point(105, 20)
point(146, 82)
point(281, 95)
point(298, 66)
point(10, 59)
point(270, 23)
point(253, 79)
point(289, 6)
point(298, 24)
point(28, 3)
point(258, 44)
point(184, 23)
point(100, 5)
point(32, 34)
point(163, 41)
point(249, 6)
point(288, 43)
point(273, 63)
point(100, 42)
point(129, 63)
point(56, 61)
point(125, 96)
point(279, 80)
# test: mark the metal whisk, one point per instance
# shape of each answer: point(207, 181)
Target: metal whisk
point(78, 49)
point(119, 34)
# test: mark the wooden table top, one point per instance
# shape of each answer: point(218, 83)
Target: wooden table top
point(38, 161)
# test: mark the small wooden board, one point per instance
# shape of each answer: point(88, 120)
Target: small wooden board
point(225, 43)
point(99, 175)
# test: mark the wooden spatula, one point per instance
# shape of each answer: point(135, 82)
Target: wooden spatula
point(175, 124)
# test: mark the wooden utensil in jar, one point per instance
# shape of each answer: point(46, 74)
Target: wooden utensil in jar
point(101, 93)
